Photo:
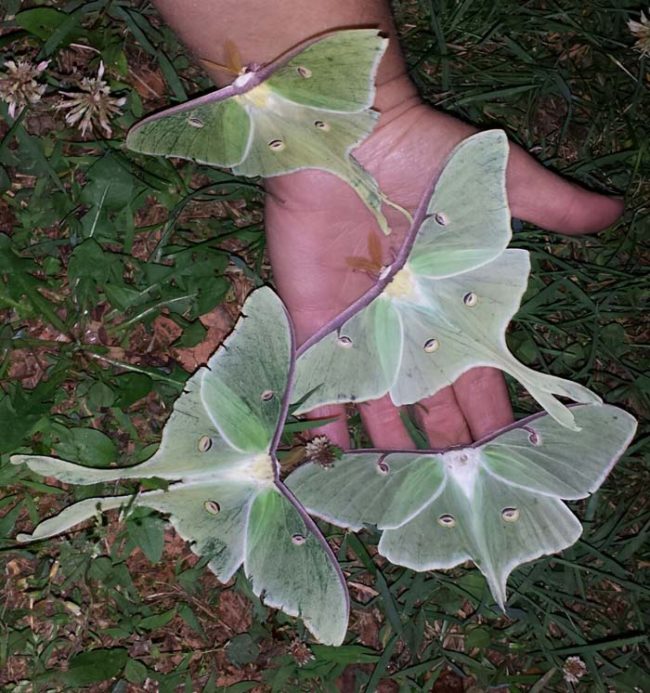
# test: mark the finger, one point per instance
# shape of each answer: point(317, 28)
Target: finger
point(381, 419)
point(536, 194)
point(442, 419)
point(483, 397)
point(547, 200)
point(336, 431)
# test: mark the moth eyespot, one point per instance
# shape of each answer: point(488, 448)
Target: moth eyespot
point(298, 539)
point(212, 507)
point(441, 218)
point(463, 458)
point(322, 125)
point(195, 122)
point(345, 341)
point(276, 145)
point(383, 468)
point(431, 345)
point(535, 438)
point(303, 71)
point(205, 443)
point(267, 395)
point(447, 521)
point(470, 299)
point(510, 514)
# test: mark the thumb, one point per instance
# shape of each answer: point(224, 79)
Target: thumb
point(547, 200)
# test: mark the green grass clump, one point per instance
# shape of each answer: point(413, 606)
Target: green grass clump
point(107, 260)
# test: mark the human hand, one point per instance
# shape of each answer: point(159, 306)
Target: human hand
point(315, 224)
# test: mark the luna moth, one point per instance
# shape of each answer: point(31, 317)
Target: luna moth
point(498, 503)
point(307, 109)
point(441, 307)
point(225, 496)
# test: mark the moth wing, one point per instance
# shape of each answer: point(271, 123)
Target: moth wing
point(542, 525)
point(468, 222)
point(73, 515)
point(465, 316)
point(386, 490)
point(444, 337)
point(289, 137)
point(545, 457)
point(335, 73)
point(179, 455)
point(422, 543)
point(358, 364)
point(231, 387)
point(292, 568)
point(244, 384)
point(69, 472)
point(208, 130)
point(211, 517)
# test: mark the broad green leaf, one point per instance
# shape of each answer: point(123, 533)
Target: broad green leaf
point(94, 666)
point(41, 21)
point(89, 446)
point(148, 532)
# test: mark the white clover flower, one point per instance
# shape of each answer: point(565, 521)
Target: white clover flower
point(92, 105)
point(321, 451)
point(300, 652)
point(19, 84)
point(573, 670)
point(641, 30)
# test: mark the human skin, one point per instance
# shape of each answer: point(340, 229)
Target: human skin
point(315, 223)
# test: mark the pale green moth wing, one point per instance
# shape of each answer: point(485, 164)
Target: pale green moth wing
point(243, 386)
point(457, 526)
point(73, 515)
point(211, 517)
point(336, 73)
point(291, 567)
point(447, 326)
point(468, 218)
point(232, 522)
point(190, 446)
point(308, 109)
point(369, 488)
point(544, 457)
point(216, 133)
point(288, 138)
point(457, 323)
point(192, 449)
point(358, 362)
point(291, 138)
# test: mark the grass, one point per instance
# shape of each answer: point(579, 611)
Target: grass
point(106, 263)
